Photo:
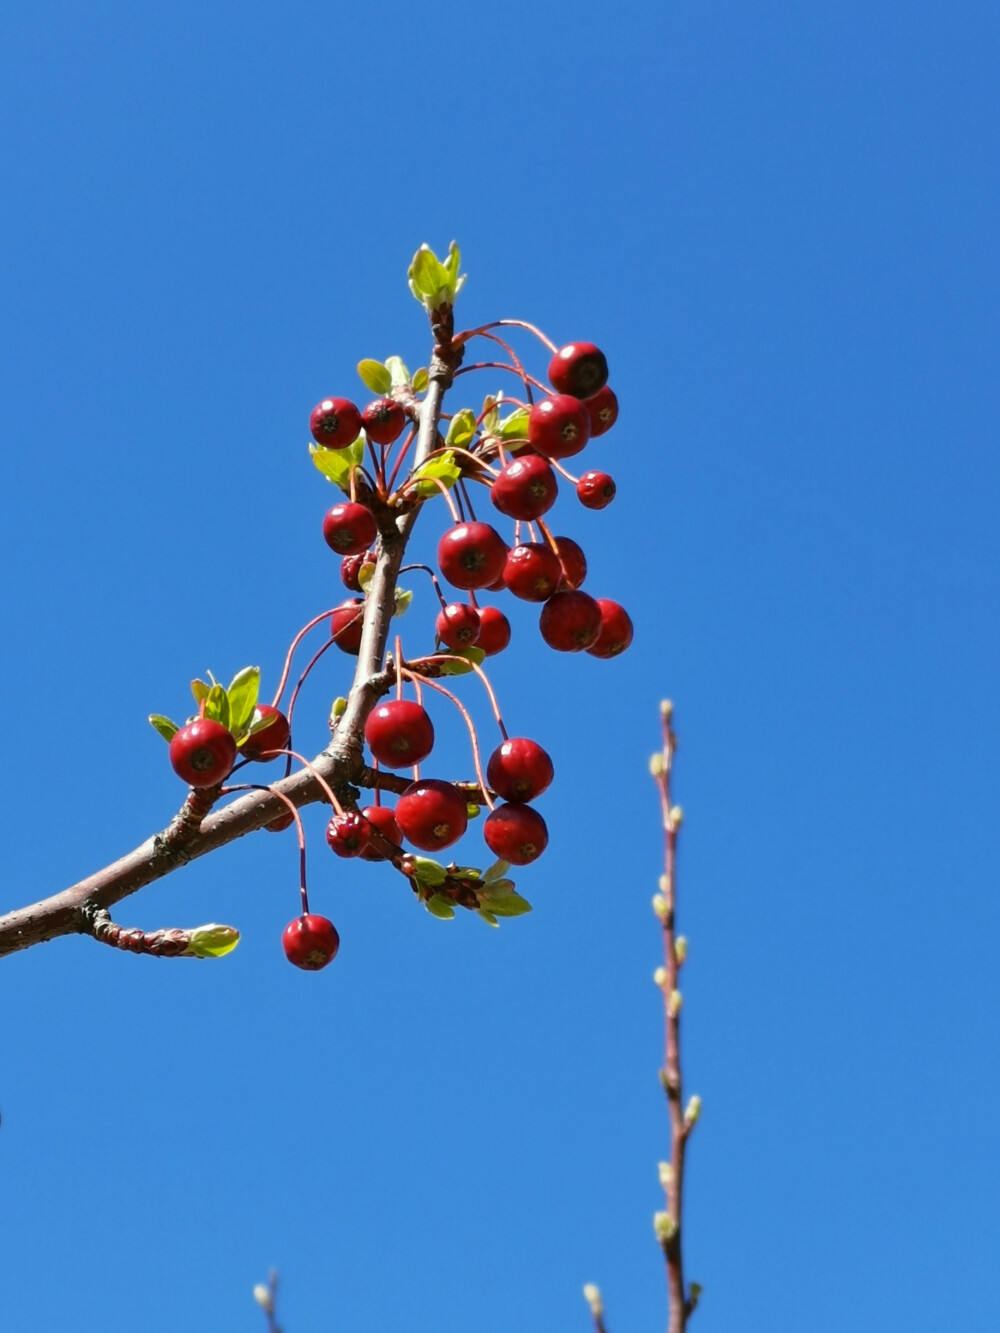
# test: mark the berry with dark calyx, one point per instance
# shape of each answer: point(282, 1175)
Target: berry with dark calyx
point(602, 410)
point(345, 624)
point(350, 568)
point(310, 942)
point(573, 561)
point(432, 814)
point(559, 426)
point(494, 630)
point(349, 528)
point(262, 744)
point(471, 555)
point(348, 833)
point(525, 488)
point(281, 822)
point(519, 769)
point(616, 630)
point(383, 820)
point(595, 490)
point(570, 621)
point(335, 423)
point(457, 625)
point(399, 733)
point(383, 421)
point(532, 571)
point(516, 833)
point(203, 752)
point(580, 369)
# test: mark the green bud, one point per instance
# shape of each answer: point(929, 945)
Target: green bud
point(660, 906)
point(212, 941)
point(592, 1295)
point(262, 1296)
point(665, 1227)
point(680, 949)
point(666, 708)
point(660, 976)
point(656, 765)
point(676, 816)
point(339, 707)
point(674, 1002)
point(693, 1111)
point(666, 1175)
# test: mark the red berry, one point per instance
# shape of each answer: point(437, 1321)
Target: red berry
point(516, 832)
point(573, 561)
point(519, 769)
point(310, 942)
point(203, 752)
point(532, 571)
point(471, 555)
point(494, 630)
point(602, 410)
point(399, 733)
point(273, 737)
point(348, 833)
point(457, 625)
point(350, 568)
point(335, 422)
point(616, 630)
point(432, 814)
point(280, 822)
point(570, 621)
point(525, 489)
point(383, 820)
point(383, 420)
point(558, 427)
point(580, 369)
point(595, 490)
point(349, 529)
point(346, 622)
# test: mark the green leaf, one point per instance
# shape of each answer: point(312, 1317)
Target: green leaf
point(490, 415)
point(420, 380)
point(257, 723)
point(428, 872)
point(472, 654)
point(511, 904)
point(200, 690)
point(497, 888)
point(338, 708)
point(334, 464)
point(217, 705)
point(243, 690)
point(462, 428)
point(212, 941)
point(440, 906)
point(167, 729)
point(435, 284)
point(443, 467)
point(488, 917)
point(514, 427)
point(472, 810)
point(398, 374)
point(496, 871)
point(356, 451)
point(375, 376)
point(365, 575)
point(403, 599)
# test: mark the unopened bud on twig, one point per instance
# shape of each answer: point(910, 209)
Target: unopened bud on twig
point(212, 941)
point(338, 708)
point(674, 1002)
point(664, 884)
point(660, 976)
point(666, 1175)
point(660, 906)
point(676, 816)
point(666, 708)
point(262, 1296)
point(680, 948)
point(656, 765)
point(665, 1227)
point(592, 1295)
point(695, 1291)
point(692, 1112)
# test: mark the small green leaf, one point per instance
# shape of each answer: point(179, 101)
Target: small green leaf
point(496, 871)
point(472, 654)
point(490, 415)
point(398, 374)
point(440, 906)
point(257, 723)
point(375, 376)
point(212, 941)
point(365, 575)
point(488, 917)
point(472, 810)
point(443, 467)
point(497, 888)
point(435, 284)
point(512, 904)
point(217, 705)
point(243, 690)
point(334, 465)
point(338, 708)
point(429, 872)
point(461, 428)
point(167, 729)
point(514, 427)
point(356, 451)
point(200, 690)
point(403, 599)
point(420, 380)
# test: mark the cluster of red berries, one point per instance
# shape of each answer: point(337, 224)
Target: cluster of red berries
point(204, 751)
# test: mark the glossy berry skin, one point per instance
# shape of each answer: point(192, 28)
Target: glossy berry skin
point(349, 528)
point(203, 752)
point(573, 561)
point(532, 571)
point(383, 420)
point(616, 630)
point(595, 490)
point(570, 621)
point(516, 832)
point(519, 769)
point(559, 426)
point(457, 625)
point(432, 814)
point(471, 555)
point(580, 369)
point(310, 942)
point(345, 624)
point(350, 568)
point(270, 738)
point(494, 630)
point(525, 488)
point(348, 833)
point(279, 824)
point(383, 820)
point(335, 423)
point(602, 410)
point(399, 733)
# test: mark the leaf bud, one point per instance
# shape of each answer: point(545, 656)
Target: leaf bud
point(692, 1112)
point(666, 1175)
point(212, 941)
point(676, 817)
point(665, 1226)
point(674, 1002)
point(680, 949)
point(664, 883)
point(262, 1296)
point(660, 976)
point(592, 1295)
point(656, 765)
point(666, 708)
point(660, 906)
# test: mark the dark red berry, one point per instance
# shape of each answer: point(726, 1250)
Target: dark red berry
point(471, 555)
point(399, 733)
point(595, 490)
point(519, 769)
point(573, 561)
point(532, 571)
point(335, 423)
point(281, 822)
point(570, 621)
point(580, 369)
point(383, 420)
point(348, 833)
point(432, 814)
point(310, 942)
point(516, 832)
point(350, 568)
point(349, 528)
point(346, 622)
point(602, 410)
point(494, 630)
point(558, 427)
point(525, 489)
point(203, 752)
point(383, 820)
point(457, 625)
point(616, 630)
point(262, 744)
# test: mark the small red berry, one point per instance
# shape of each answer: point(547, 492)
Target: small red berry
point(261, 744)
point(335, 423)
point(580, 369)
point(310, 942)
point(616, 630)
point(471, 555)
point(559, 426)
point(399, 733)
point(383, 420)
point(525, 489)
point(602, 410)
point(457, 625)
point(432, 814)
point(516, 832)
point(519, 769)
point(346, 622)
point(349, 528)
point(532, 571)
point(281, 822)
point(348, 833)
point(570, 621)
point(203, 752)
point(494, 630)
point(350, 568)
point(595, 490)
point(573, 561)
point(383, 820)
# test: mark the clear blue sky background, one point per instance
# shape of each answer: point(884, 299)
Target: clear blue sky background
point(781, 221)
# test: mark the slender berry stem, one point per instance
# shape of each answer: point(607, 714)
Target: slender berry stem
point(260, 786)
point(403, 450)
point(291, 651)
point(476, 760)
point(433, 577)
point(464, 336)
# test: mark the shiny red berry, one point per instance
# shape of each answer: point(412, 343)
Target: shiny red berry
point(519, 769)
point(262, 744)
point(383, 420)
point(203, 752)
point(281, 822)
point(346, 622)
point(349, 528)
point(432, 814)
point(573, 561)
point(595, 490)
point(350, 568)
point(570, 621)
point(559, 426)
point(525, 488)
point(516, 832)
point(382, 820)
point(348, 833)
point(471, 555)
point(310, 942)
point(457, 625)
point(580, 369)
point(494, 630)
point(616, 630)
point(399, 733)
point(602, 410)
point(335, 423)
point(532, 571)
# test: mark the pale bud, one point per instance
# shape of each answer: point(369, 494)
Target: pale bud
point(666, 1175)
point(262, 1296)
point(676, 816)
point(694, 1296)
point(674, 1003)
point(664, 884)
point(666, 708)
point(338, 708)
point(680, 948)
point(592, 1295)
point(665, 1227)
point(660, 976)
point(656, 765)
point(693, 1111)
point(660, 906)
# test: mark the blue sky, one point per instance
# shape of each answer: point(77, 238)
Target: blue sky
point(780, 222)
